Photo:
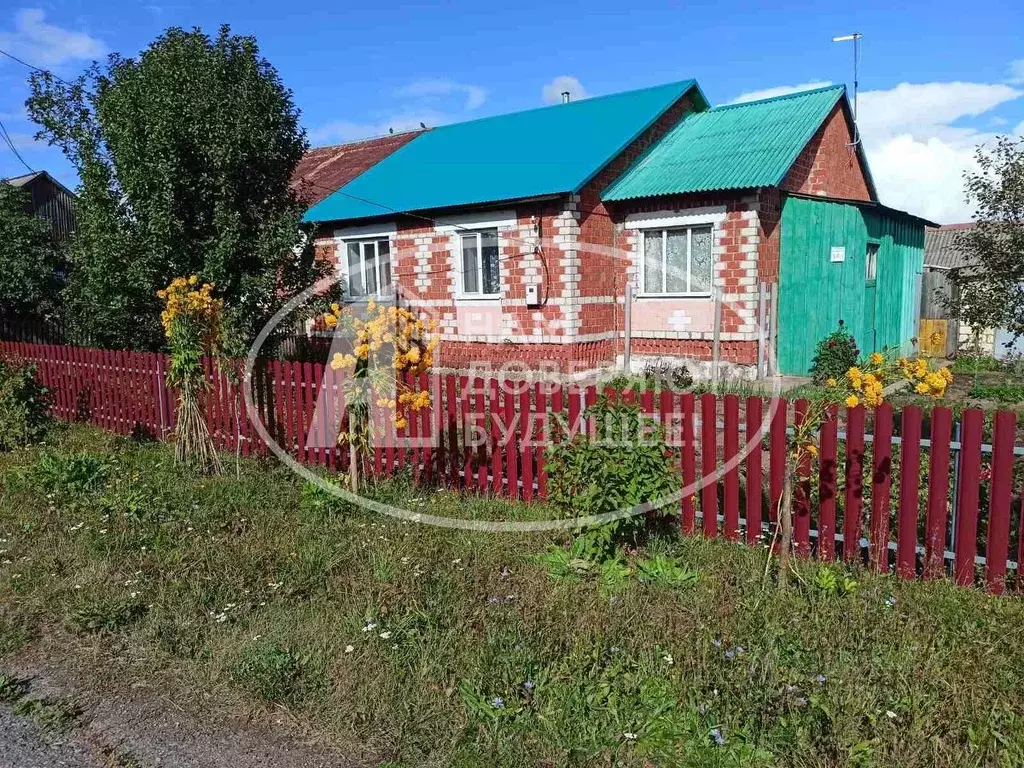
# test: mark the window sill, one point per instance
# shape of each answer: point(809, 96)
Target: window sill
point(486, 298)
point(673, 296)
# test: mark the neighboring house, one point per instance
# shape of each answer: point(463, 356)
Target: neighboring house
point(946, 265)
point(50, 200)
point(520, 232)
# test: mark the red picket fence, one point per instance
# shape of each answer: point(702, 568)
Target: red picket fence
point(954, 508)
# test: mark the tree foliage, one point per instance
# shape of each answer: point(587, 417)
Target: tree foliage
point(991, 287)
point(29, 258)
point(185, 156)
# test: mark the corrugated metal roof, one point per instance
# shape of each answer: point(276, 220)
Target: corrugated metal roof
point(941, 249)
point(549, 150)
point(737, 146)
point(324, 170)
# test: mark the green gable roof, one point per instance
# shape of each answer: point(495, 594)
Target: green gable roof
point(737, 146)
point(549, 150)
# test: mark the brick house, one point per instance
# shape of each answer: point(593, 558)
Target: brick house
point(520, 232)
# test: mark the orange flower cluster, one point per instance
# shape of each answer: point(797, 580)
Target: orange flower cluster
point(185, 298)
point(866, 383)
point(395, 331)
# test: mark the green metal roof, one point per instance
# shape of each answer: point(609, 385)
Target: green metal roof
point(737, 146)
point(542, 151)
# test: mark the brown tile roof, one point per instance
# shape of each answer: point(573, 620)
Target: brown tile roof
point(940, 246)
point(323, 170)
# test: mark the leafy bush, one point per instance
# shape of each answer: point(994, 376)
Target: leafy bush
point(970, 363)
point(71, 474)
point(24, 406)
point(666, 572)
point(835, 355)
point(619, 463)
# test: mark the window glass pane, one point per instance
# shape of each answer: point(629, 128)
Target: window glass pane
point(700, 260)
point(469, 264)
point(652, 262)
point(489, 251)
point(370, 268)
point(872, 261)
point(355, 270)
point(384, 264)
point(675, 274)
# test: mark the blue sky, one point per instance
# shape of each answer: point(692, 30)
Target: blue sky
point(937, 78)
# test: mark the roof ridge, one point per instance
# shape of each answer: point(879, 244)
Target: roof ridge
point(365, 140)
point(781, 97)
point(689, 82)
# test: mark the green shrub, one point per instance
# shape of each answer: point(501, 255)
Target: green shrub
point(107, 615)
point(71, 474)
point(24, 406)
point(620, 462)
point(835, 355)
point(969, 363)
point(269, 671)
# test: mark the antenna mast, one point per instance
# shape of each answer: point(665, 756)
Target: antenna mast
point(855, 37)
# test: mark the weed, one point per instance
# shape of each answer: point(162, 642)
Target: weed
point(71, 474)
point(52, 715)
point(663, 571)
point(269, 671)
point(107, 614)
point(11, 689)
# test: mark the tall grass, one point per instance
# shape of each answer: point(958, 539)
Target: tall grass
point(438, 647)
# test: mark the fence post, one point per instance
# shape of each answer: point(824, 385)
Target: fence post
point(965, 546)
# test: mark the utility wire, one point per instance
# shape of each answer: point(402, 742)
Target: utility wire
point(24, 63)
point(10, 145)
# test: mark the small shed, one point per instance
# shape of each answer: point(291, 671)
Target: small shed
point(49, 200)
point(850, 260)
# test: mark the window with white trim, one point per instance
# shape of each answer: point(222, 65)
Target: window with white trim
point(677, 261)
point(481, 275)
point(369, 267)
point(871, 262)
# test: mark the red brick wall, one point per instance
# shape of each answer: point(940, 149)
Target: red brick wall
point(829, 165)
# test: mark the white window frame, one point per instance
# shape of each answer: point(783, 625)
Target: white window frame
point(871, 262)
point(460, 260)
point(464, 224)
point(362, 236)
point(664, 222)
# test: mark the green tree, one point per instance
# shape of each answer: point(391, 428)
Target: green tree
point(991, 287)
point(185, 156)
point(29, 259)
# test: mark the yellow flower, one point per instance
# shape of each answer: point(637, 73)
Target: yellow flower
point(331, 321)
point(922, 388)
point(812, 449)
point(335, 309)
point(877, 358)
point(832, 382)
point(852, 401)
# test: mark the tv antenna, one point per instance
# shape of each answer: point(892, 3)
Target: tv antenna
point(855, 37)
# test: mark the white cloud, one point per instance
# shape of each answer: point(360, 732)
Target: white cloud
point(779, 90)
point(429, 89)
point(917, 145)
point(47, 45)
point(552, 92)
point(1017, 72)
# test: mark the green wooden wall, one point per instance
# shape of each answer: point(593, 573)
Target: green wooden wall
point(815, 292)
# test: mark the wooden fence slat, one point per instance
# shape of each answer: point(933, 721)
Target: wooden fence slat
point(881, 484)
point(412, 417)
point(853, 507)
point(480, 422)
point(731, 454)
point(753, 470)
point(426, 417)
point(688, 461)
point(542, 434)
point(526, 432)
point(494, 409)
point(802, 490)
point(468, 432)
point(828, 487)
point(965, 545)
point(938, 494)
point(709, 463)
point(511, 443)
point(1000, 499)
point(776, 456)
point(452, 410)
point(910, 473)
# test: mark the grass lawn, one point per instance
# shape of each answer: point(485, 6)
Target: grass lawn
point(419, 646)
